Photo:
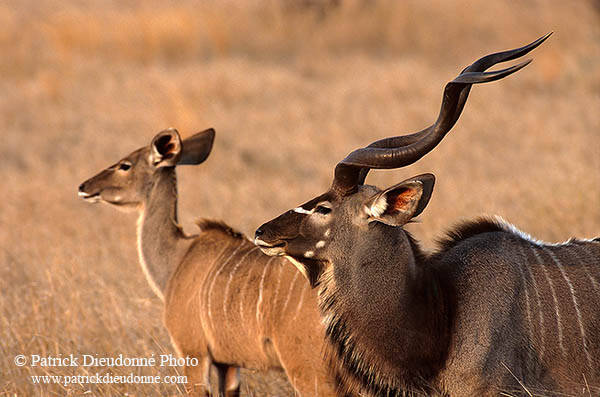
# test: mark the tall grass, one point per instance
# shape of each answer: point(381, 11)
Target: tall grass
point(290, 92)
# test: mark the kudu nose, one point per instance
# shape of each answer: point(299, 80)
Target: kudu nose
point(259, 232)
point(81, 191)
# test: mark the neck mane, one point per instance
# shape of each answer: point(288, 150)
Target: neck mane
point(161, 242)
point(401, 303)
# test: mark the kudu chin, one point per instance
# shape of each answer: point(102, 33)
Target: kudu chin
point(226, 303)
point(491, 312)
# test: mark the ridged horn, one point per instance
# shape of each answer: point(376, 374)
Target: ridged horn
point(400, 151)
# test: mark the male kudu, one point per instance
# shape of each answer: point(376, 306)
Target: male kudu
point(491, 311)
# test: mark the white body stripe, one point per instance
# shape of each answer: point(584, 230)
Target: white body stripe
point(539, 304)
point(260, 289)
point(579, 319)
point(522, 263)
point(287, 300)
point(242, 294)
point(587, 272)
point(203, 298)
point(558, 319)
point(278, 285)
point(300, 301)
point(212, 284)
point(233, 271)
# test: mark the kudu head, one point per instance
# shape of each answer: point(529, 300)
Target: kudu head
point(355, 219)
point(128, 183)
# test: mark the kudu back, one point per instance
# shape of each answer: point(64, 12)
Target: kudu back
point(225, 303)
point(491, 311)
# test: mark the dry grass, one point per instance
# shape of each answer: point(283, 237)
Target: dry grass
point(289, 93)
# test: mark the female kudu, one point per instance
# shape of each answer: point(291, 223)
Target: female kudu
point(226, 303)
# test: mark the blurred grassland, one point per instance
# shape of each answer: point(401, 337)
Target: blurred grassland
point(290, 90)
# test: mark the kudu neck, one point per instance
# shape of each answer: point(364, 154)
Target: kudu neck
point(390, 295)
point(160, 238)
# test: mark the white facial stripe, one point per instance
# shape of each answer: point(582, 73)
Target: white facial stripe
point(301, 210)
point(309, 254)
point(320, 244)
point(304, 211)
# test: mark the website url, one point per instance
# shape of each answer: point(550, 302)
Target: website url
point(67, 380)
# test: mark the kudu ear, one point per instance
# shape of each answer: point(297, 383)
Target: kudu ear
point(397, 205)
point(197, 147)
point(166, 148)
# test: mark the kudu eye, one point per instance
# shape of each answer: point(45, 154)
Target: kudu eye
point(124, 166)
point(322, 209)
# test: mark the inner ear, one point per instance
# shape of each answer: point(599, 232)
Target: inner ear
point(166, 148)
point(398, 204)
point(401, 199)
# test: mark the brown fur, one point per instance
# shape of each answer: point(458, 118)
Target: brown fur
point(288, 338)
point(492, 311)
point(226, 303)
point(205, 224)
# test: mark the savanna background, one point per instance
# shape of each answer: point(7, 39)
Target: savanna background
point(290, 87)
